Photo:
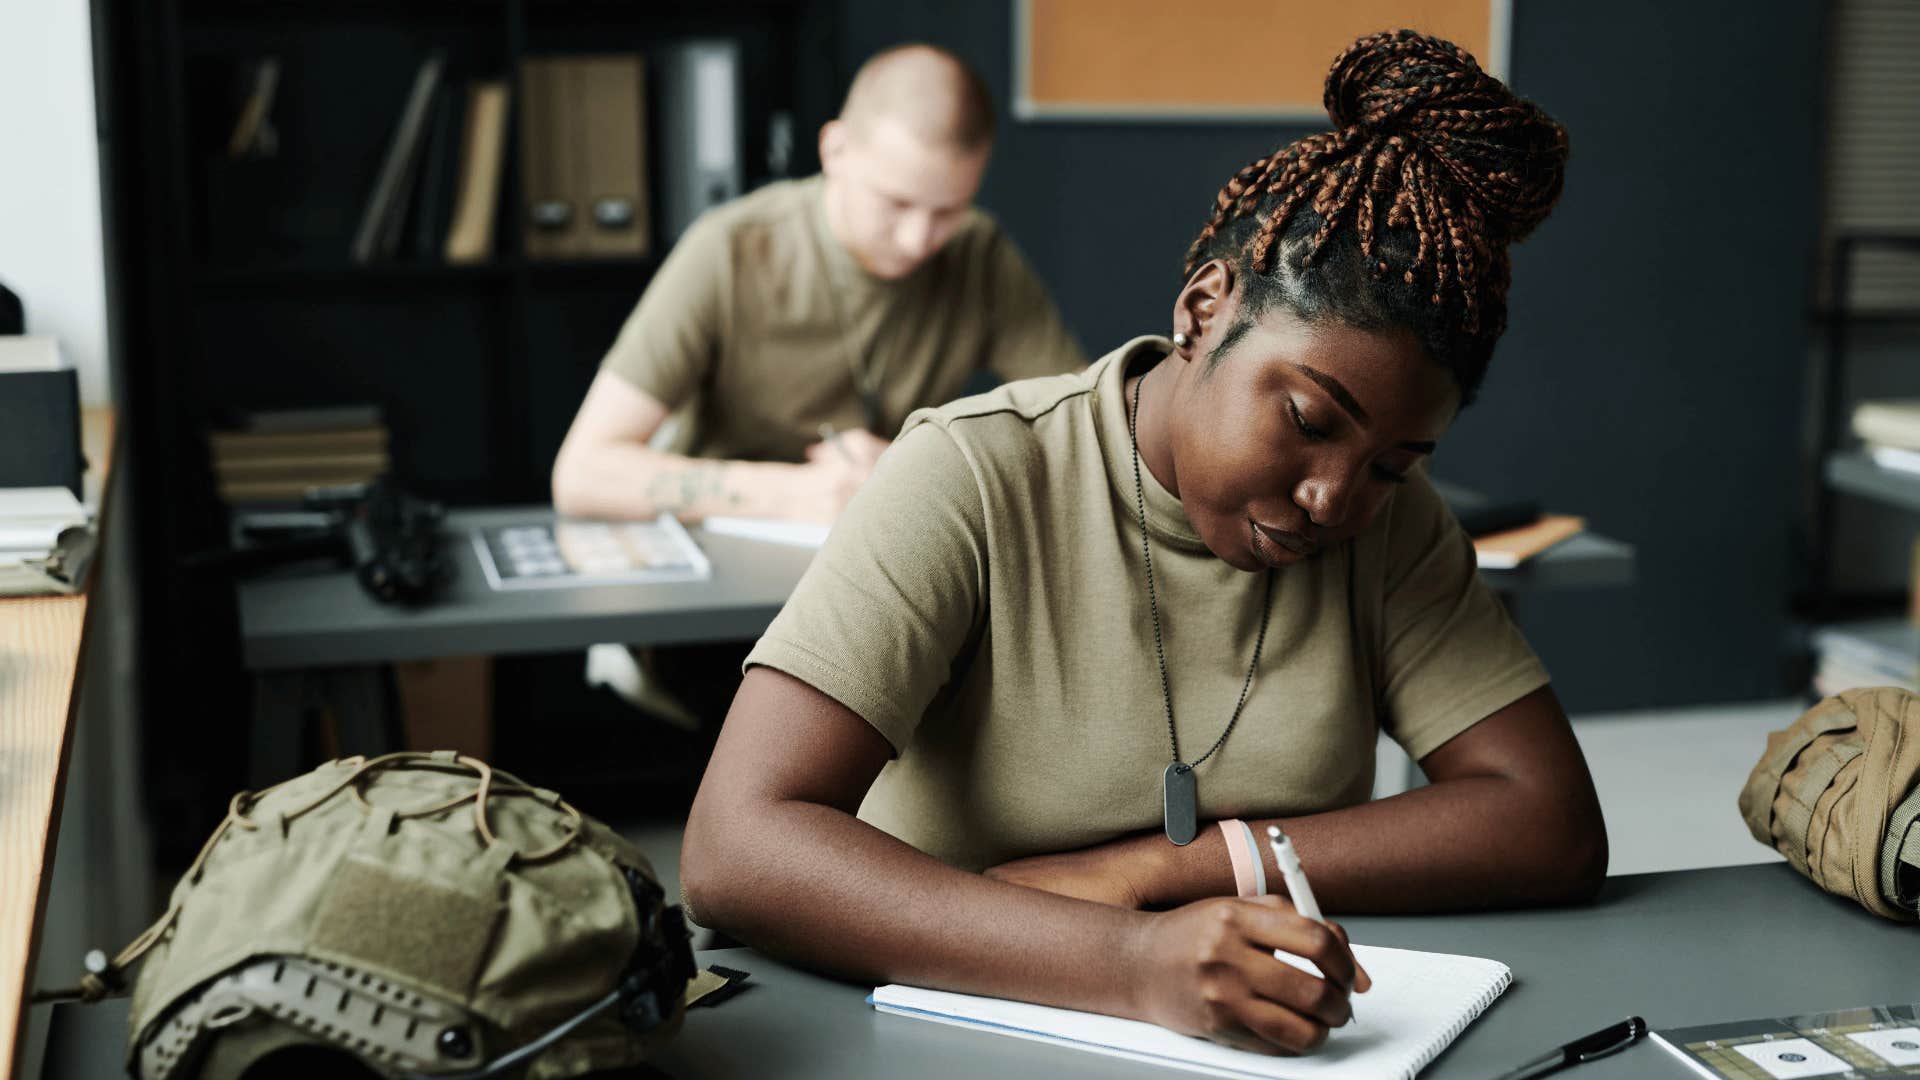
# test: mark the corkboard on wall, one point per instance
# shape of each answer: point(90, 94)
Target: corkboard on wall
point(1263, 60)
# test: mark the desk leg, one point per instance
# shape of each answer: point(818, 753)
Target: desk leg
point(357, 699)
point(276, 743)
point(361, 701)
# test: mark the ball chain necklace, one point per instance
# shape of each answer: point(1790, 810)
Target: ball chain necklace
point(862, 362)
point(1179, 790)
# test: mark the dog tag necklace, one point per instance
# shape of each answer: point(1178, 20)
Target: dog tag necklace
point(1179, 788)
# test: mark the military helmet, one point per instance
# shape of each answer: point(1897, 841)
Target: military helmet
point(424, 913)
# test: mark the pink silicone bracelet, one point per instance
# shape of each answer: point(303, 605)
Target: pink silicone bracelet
point(1233, 831)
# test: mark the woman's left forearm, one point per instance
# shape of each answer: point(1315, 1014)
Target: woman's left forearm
point(1466, 843)
point(1510, 819)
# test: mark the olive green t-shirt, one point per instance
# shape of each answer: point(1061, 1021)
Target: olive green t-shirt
point(981, 603)
point(758, 319)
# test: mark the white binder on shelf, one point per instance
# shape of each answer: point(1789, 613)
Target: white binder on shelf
point(699, 125)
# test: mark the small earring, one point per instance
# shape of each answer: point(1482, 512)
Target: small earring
point(1181, 340)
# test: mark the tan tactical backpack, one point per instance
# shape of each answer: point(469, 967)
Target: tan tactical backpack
point(1838, 793)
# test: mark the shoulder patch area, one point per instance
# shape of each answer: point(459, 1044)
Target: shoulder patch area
point(1026, 399)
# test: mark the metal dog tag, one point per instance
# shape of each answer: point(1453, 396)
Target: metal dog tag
point(1181, 798)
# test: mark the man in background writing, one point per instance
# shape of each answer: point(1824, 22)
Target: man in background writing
point(840, 302)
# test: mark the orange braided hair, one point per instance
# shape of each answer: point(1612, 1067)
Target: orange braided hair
point(1460, 166)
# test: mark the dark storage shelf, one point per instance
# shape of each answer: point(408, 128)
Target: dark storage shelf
point(197, 11)
point(1824, 316)
point(337, 276)
point(239, 293)
point(624, 268)
point(667, 14)
point(1835, 471)
point(334, 276)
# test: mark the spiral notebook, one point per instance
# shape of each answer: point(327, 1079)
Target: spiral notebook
point(1420, 1003)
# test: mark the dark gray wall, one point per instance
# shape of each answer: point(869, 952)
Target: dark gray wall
point(1650, 375)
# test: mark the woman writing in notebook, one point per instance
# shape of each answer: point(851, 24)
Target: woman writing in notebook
point(1072, 624)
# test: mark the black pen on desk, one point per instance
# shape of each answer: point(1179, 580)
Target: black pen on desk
point(1607, 1040)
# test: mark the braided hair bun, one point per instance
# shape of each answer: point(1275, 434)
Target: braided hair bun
point(1503, 151)
point(1401, 216)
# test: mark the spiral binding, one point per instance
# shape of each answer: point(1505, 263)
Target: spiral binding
point(1480, 1004)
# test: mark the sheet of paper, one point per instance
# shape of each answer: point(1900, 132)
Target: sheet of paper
point(770, 530)
point(40, 504)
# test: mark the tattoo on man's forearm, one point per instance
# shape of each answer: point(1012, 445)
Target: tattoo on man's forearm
point(683, 488)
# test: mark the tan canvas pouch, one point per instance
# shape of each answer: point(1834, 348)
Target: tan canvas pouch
point(1838, 793)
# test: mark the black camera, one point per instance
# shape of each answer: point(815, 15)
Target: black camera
point(390, 537)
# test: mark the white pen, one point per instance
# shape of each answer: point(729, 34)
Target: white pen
point(1296, 878)
point(1297, 887)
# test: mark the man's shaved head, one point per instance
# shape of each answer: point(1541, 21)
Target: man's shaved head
point(926, 89)
point(904, 158)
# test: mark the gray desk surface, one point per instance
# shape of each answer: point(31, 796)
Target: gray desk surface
point(303, 618)
point(307, 617)
point(1693, 947)
point(1855, 473)
point(1678, 949)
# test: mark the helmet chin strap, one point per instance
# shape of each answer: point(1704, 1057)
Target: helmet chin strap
point(507, 1062)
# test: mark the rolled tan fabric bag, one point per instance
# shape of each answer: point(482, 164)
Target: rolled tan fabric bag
point(1838, 793)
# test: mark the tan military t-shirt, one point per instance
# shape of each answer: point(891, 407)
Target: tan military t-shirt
point(981, 604)
point(759, 317)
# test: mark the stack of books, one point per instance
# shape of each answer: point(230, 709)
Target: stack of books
point(271, 458)
point(1891, 431)
point(1508, 548)
point(31, 521)
point(1876, 652)
point(438, 188)
point(1507, 532)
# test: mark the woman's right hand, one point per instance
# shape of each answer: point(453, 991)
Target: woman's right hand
point(1208, 969)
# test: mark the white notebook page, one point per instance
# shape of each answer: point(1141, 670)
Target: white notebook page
point(1420, 1002)
point(791, 533)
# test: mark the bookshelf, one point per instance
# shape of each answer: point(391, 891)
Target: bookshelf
point(1854, 641)
point(1883, 651)
point(1840, 470)
point(235, 288)
point(348, 277)
point(265, 243)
